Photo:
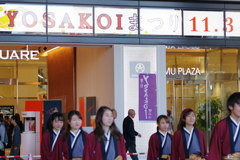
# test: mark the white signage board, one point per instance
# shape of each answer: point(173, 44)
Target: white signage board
point(70, 19)
point(22, 18)
point(203, 23)
point(232, 24)
point(160, 21)
point(116, 21)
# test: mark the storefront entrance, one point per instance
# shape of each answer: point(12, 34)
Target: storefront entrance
point(205, 92)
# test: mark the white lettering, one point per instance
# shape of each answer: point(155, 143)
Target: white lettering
point(180, 70)
point(1, 55)
point(33, 55)
point(198, 71)
point(14, 55)
point(146, 79)
point(169, 71)
point(24, 55)
point(188, 71)
point(191, 71)
point(21, 55)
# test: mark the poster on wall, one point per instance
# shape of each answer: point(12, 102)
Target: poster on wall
point(7, 110)
point(91, 111)
point(147, 97)
point(51, 107)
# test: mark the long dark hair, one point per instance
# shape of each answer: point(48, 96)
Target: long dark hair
point(160, 118)
point(70, 115)
point(99, 132)
point(183, 116)
point(56, 115)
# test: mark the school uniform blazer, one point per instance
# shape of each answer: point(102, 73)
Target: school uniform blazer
point(154, 147)
point(84, 137)
point(221, 143)
point(179, 148)
point(59, 150)
point(94, 150)
point(129, 131)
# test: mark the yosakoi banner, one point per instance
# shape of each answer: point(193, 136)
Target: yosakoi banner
point(147, 97)
point(19, 19)
point(161, 22)
point(79, 20)
point(116, 21)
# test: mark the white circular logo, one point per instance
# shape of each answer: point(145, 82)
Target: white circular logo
point(140, 68)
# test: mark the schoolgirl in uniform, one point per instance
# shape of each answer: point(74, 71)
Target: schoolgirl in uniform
point(188, 142)
point(75, 136)
point(159, 145)
point(105, 142)
point(53, 147)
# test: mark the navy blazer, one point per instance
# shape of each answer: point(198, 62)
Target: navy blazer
point(129, 132)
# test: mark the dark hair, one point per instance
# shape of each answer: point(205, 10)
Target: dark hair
point(6, 117)
point(18, 119)
point(70, 115)
point(1, 118)
point(17, 115)
point(183, 116)
point(15, 118)
point(234, 98)
point(99, 132)
point(169, 113)
point(56, 115)
point(160, 118)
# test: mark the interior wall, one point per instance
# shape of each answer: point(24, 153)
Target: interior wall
point(95, 75)
point(61, 76)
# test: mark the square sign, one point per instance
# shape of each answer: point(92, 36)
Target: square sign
point(203, 23)
point(137, 67)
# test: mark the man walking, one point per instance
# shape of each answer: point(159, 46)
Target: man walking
point(130, 133)
point(225, 140)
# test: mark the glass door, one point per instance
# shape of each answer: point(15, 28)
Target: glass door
point(183, 94)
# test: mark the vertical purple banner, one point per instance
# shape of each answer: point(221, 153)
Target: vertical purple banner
point(147, 97)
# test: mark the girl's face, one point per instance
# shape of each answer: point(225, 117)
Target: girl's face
point(57, 125)
point(190, 119)
point(107, 118)
point(163, 125)
point(75, 122)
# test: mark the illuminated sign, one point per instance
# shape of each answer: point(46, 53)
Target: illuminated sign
point(160, 22)
point(177, 71)
point(23, 55)
point(116, 21)
point(79, 20)
point(203, 23)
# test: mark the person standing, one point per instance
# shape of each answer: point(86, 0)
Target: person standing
point(105, 142)
point(225, 139)
point(130, 133)
point(3, 136)
point(16, 138)
point(188, 142)
point(53, 147)
point(9, 129)
point(159, 145)
point(114, 113)
point(75, 136)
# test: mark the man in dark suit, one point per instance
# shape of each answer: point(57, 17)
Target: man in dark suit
point(130, 133)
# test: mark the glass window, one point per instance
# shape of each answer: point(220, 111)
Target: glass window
point(22, 19)
point(70, 20)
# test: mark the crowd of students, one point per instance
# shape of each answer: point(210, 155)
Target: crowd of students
point(107, 143)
